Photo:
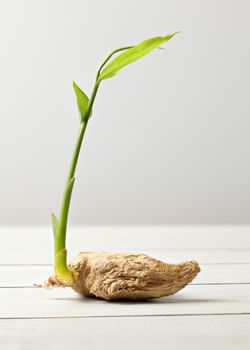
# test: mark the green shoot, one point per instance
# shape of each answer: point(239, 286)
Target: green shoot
point(85, 105)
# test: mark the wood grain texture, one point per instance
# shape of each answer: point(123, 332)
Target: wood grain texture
point(147, 333)
point(36, 302)
point(170, 244)
point(171, 256)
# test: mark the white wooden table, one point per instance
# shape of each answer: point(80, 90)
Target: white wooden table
point(211, 313)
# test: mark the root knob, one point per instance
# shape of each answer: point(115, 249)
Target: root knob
point(129, 276)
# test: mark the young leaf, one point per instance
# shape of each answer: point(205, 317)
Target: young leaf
point(109, 57)
point(82, 101)
point(54, 223)
point(132, 54)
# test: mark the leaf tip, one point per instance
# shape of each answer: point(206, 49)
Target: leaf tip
point(75, 86)
point(54, 224)
point(178, 31)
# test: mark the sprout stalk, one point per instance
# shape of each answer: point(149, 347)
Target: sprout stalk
point(63, 273)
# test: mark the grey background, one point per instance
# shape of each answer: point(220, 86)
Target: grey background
point(169, 140)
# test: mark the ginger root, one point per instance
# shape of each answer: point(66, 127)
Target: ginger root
point(128, 276)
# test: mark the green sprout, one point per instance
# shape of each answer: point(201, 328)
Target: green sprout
point(130, 54)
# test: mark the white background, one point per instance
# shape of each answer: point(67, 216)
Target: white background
point(169, 139)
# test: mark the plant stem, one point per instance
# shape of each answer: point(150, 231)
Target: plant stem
point(63, 273)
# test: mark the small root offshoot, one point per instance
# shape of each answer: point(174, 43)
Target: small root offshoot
point(52, 282)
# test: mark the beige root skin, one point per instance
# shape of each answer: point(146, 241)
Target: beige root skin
point(113, 276)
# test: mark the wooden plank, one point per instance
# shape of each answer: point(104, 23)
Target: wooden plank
point(194, 299)
point(20, 276)
point(34, 245)
point(32, 257)
point(216, 316)
point(154, 237)
point(200, 332)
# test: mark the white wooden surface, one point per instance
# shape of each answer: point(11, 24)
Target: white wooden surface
point(211, 313)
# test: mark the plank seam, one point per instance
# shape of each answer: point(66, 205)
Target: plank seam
point(191, 284)
point(126, 316)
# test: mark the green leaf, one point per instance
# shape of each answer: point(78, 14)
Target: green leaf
point(54, 223)
point(109, 57)
point(132, 54)
point(82, 101)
